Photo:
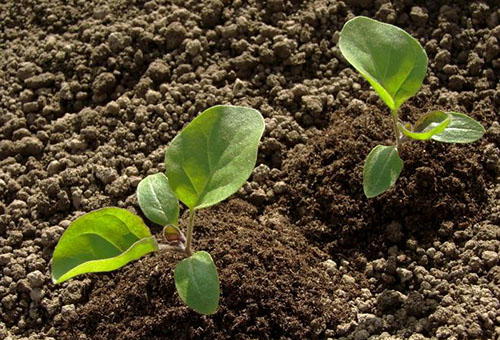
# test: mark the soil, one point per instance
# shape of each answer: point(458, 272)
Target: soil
point(91, 93)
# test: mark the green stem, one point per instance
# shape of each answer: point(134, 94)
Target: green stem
point(394, 114)
point(189, 235)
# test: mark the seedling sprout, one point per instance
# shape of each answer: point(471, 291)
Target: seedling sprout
point(205, 163)
point(395, 63)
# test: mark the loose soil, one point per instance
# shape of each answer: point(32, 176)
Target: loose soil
point(272, 282)
point(91, 93)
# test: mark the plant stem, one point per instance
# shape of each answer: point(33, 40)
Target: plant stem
point(168, 247)
point(189, 235)
point(394, 114)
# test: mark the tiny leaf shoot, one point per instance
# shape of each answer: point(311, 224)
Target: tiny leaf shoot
point(430, 120)
point(382, 168)
point(395, 63)
point(206, 163)
point(173, 234)
point(157, 200)
point(100, 241)
point(434, 123)
point(197, 282)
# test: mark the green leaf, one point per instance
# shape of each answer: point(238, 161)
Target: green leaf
point(100, 241)
point(382, 168)
point(427, 126)
point(392, 61)
point(214, 155)
point(197, 282)
point(461, 129)
point(157, 200)
point(430, 120)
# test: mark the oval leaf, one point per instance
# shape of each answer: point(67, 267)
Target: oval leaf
point(382, 168)
point(157, 200)
point(392, 61)
point(214, 155)
point(197, 282)
point(427, 126)
point(101, 241)
point(461, 129)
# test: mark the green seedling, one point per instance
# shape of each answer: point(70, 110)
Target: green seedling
point(394, 63)
point(205, 163)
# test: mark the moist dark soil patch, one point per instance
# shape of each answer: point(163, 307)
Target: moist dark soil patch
point(272, 287)
point(439, 183)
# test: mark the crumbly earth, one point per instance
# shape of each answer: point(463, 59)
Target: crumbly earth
point(91, 92)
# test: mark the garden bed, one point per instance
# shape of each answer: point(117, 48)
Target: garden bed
point(91, 93)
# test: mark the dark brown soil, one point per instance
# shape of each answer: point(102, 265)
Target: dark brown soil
point(273, 286)
point(91, 93)
point(439, 183)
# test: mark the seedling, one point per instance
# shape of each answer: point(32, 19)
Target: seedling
point(394, 63)
point(205, 163)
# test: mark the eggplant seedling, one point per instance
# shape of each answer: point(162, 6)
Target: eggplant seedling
point(395, 63)
point(208, 161)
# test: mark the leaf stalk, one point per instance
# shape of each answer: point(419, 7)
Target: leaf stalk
point(394, 114)
point(189, 236)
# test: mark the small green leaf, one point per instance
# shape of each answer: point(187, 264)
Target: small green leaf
point(157, 200)
point(392, 61)
point(427, 126)
point(430, 120)
point(100, 241)
point(173, 234)
point(197, 282)
point(382, 168)
point(214, 155)
point(461, 129)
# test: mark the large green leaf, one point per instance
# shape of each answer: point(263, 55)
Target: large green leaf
point(157, 200)
point(382, 168)
point(101, 241)
point(214, 155)
point(392, 61)
point(427, 126)
point(197, 282)
point(461, 129)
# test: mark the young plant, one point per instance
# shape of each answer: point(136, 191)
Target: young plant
point(205, 163)
point(394, 63)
